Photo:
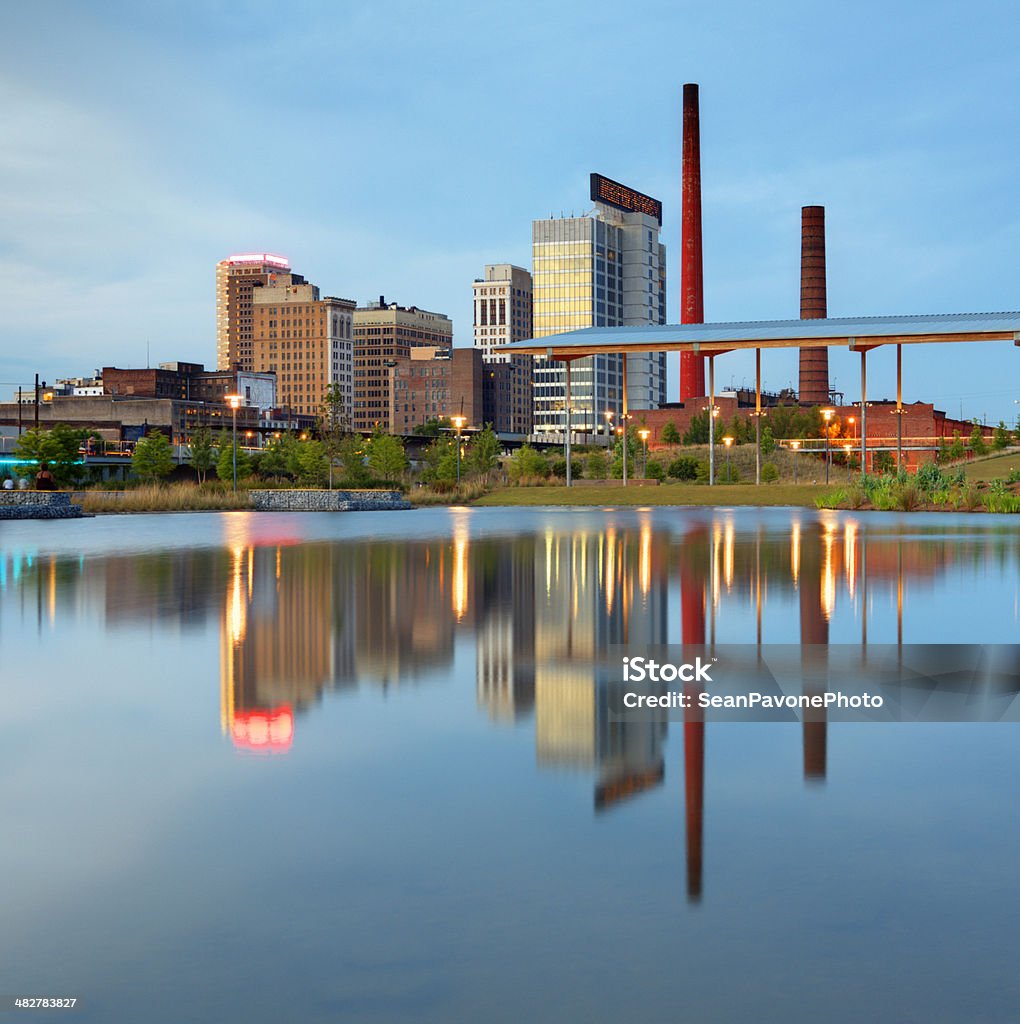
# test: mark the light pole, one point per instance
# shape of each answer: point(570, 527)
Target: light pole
point(643, 434)
point(848, 448)
point(234, 402)
point(795, 445)
point(609, 428)
point(827, 415)
point(458, 422)
point(728, 441)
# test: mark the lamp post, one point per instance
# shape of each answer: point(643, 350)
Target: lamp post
point(848, 448)
point(234, 401)
point(827, 415)
point(728, 441)
point(795, 445)
point(643, 434)
point(458, 422)
point(609, 428)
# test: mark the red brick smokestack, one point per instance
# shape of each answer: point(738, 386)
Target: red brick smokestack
point(814, 362)
point(692, 298)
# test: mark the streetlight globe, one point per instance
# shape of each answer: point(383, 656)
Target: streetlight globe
point(727, 441)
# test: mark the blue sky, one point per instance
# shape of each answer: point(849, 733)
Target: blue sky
point(398, 147)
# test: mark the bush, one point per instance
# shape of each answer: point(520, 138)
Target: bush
point(727, 474)
point(769, 473)
point(596, 466)
point(684, 467)
point(970, 498)
point(670, 435)
point(656, 470)
point(977, 441)
point(526, 463)
point(558, 467)
point(908, 497)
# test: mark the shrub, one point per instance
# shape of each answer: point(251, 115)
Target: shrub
point(526, 462)
point(596, 466)
point(727, 474)
point(970, 498)
point(670, 435)
point(684, 467)
point(1000, 439)
point(558, 467)
point(977, 441)
point(769, 473)
point(908, 496)
point(655, 471)
point(1008, 503)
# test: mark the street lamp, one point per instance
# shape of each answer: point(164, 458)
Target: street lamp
point(728, 441)
point(851, 421)
point(458, 422)
point(234, 401)
point(827, 415)
point(643, 434)
point(609, 427)
point(848, 448)
point(795, 445)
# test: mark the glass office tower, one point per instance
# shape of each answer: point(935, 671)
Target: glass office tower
point(605, 269)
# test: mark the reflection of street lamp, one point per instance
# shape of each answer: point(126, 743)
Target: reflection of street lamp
point(827, 415)
point(234, 402)
point(728, 441)
point(458, 422)
point(795, 445)
point(643, 434)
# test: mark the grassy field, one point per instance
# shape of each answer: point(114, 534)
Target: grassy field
point(997, 466)
point(668, 494)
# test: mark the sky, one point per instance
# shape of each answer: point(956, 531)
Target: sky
point(393, 148)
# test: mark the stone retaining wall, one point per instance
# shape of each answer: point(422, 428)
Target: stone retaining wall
point(327, 501)
point(38, 505)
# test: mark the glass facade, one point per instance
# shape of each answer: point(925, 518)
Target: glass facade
point(606, 269)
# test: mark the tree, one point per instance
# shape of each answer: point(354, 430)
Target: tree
point(386, 457)
point(655, 470)
point(58, 448)
point(956, 449)
point(441, 461)
point(684, 467)
point(977, 441)
point(1000, 439)
point(697, 432)
point(153, 458)
point(526, 462)
point(225, 463)
point(768, 440)
point(351, 453)
point(483, 451)
point(203, 454)
point(670, 435)
point(279, 457)
point(769, 473)
point(333, 425)
point(595, 465)
point(433, 427)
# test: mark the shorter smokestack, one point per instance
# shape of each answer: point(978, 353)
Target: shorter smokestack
point(814, 362)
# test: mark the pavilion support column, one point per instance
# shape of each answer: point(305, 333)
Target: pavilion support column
point(899, 408)
point(569, 424)
point(864, 411)
point(624, 417)
point(757, 416)
point(711, 420)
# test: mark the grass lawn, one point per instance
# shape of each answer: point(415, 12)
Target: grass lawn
point(667, 494)
point(990, 469)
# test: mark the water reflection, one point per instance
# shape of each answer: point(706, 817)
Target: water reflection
point(297, 620)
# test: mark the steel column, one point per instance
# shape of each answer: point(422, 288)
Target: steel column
point(711, 420)
point(569, 423)
point(757, 416)
point(899, 408)
point(864, 411)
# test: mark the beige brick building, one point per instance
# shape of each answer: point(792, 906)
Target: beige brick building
point(236, 277)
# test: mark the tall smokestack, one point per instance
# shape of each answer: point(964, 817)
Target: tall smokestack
point(692, 298)
point(814, 362)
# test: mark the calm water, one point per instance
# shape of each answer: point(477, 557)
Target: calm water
point(264, 767)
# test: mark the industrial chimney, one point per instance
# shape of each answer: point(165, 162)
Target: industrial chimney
point(814, 362)
point(692, 298)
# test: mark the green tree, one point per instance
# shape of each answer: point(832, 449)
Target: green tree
point(278, 458)
point(225, 463)
point(58, 448)
point(769, 473)
point(596, 465)
point(526, 462)
point(768, 440)
point(697, 432)
point(483, 451)
point(977, 441)
point(670, 435)
point(203, 454)
point(351, 453)
point(1000, 439)
point(433, 427)
point(153, 458)
point(333, 425)
point(386, 457)
point(656, 471)
point(956, 449)
point(684, 467)
point(440, 461)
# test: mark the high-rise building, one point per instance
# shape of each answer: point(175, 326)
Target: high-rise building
point(503, 314)
point(236, 276)
point(604, 269)
point(307, 341)
point(383, 333)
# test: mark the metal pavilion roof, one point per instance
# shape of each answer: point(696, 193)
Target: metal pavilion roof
point(858, 333)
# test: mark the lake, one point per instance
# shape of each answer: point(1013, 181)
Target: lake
point(359, 766)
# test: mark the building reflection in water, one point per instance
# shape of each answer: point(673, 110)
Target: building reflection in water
point(299, 619)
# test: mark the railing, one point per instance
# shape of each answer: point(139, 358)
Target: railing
point(816, 445)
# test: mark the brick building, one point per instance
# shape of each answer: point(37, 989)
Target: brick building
point(384, 334)
point(435, 383)
point(236, 277)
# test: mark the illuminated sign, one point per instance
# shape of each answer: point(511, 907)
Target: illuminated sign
point(612, 193)
point(267, 258)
